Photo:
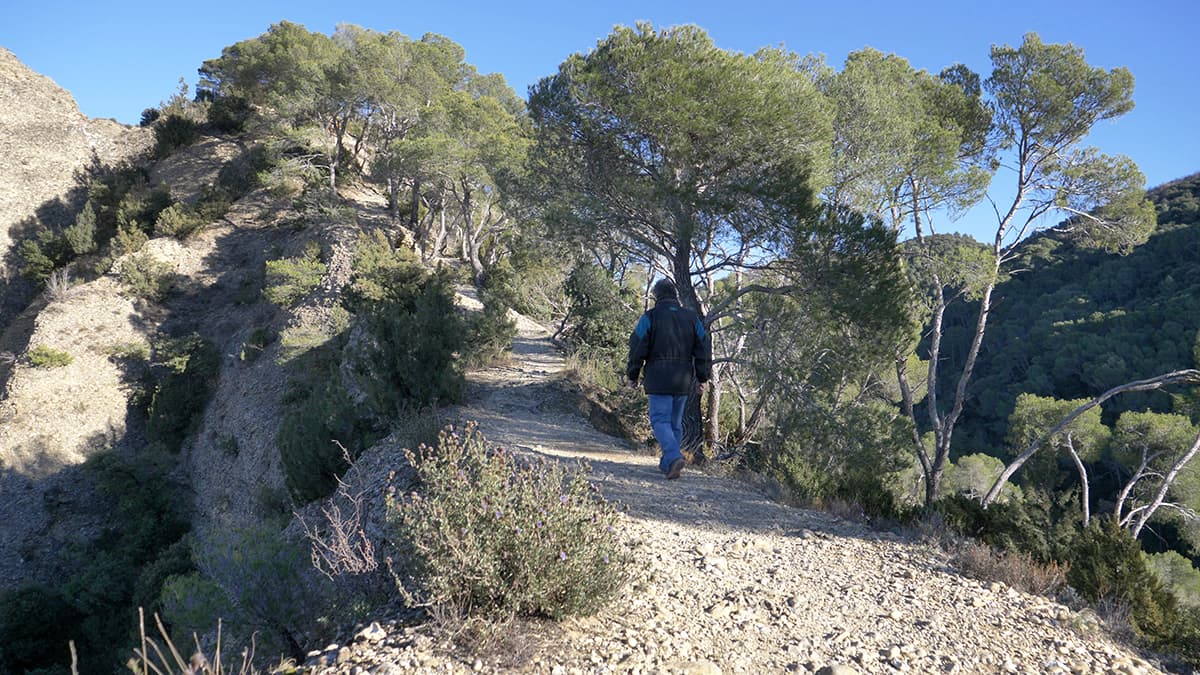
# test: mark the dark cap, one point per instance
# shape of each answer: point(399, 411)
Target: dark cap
point(664, 289)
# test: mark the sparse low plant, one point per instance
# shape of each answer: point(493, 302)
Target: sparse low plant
point(58, 284)
point(1013, 568)
point(296, 341)
point(254, 345)
point(43, 356)
point(491, 533)
point(167, 659)
point(136, 350)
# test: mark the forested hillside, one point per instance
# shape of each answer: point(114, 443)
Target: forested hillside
point(1072, 322)
point(291, 276)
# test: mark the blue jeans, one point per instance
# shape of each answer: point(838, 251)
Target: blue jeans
point(666, 418)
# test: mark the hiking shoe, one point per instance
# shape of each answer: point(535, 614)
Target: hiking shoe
point(676, 469)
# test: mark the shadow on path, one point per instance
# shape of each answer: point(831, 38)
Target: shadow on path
point(522, 405)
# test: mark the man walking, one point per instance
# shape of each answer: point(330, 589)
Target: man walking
point(671, 344)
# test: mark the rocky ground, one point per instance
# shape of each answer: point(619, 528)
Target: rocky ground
point(728, 581)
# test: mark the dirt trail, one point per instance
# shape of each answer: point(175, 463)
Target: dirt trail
point(733, 582)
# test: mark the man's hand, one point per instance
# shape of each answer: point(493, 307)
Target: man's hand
point(700, 387)
point(630, 384)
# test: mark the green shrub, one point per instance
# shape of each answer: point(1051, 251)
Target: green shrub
point(239, 176)
point(140, 205)
point(149, 116)
point(185, 370)
point(1106, 563)
point(147, 277)
point(128, 240)
point(228, 114)
point(310, 434)
point(822, 451)
point(290, 279)
point(34, 623)
point(490, 332)
point(530, 280)
point(128, 351)
point(601, 313)
point(1012, 527)
point(173, 132)
point(253, 347)
point(81, 236)
point(270, 584)
point(178, 221)
point(498, 535)
point(42, 356)
point(296, 341)
point(43, 253)
point(416, 330)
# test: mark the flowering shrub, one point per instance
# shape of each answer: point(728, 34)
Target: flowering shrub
point(496, 533)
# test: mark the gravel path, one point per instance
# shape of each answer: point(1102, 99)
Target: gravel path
point(731, 582)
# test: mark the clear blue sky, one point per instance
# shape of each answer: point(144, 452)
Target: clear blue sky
point(121, 57)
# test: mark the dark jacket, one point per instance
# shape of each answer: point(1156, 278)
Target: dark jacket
point(670, 341)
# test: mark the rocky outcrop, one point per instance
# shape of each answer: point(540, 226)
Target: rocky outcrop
point(46, 148)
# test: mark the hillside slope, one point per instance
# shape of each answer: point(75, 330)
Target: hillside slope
point(1074, 322)
point(46, 147)
point(729, 581)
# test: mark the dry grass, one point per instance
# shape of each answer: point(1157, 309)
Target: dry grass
point(1018, 570)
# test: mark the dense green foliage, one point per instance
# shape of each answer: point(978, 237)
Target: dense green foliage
point(491, 534)
point(139, 548)
point(416, 331)
point(1081, 321)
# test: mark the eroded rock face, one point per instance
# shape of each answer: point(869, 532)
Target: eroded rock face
point(46, 148)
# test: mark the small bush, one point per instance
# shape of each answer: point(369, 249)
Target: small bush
point(493, 534)
point(253, 347)
point(270, 584)
point(1011, 526)
point(173, 132)
point(1106, 563)
point(177, 221)
point(289, 279)
point(147, 277)
point(128, 240)
point(149, 116)
point(42, 356)
point(81, 236)
point(34, 621)
point(601, 312)
point(296, 341)
point(309, 438)
point(128, 351)
point(228, 114)
point(490, 332)
point(416, 330)
point(43, 253)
